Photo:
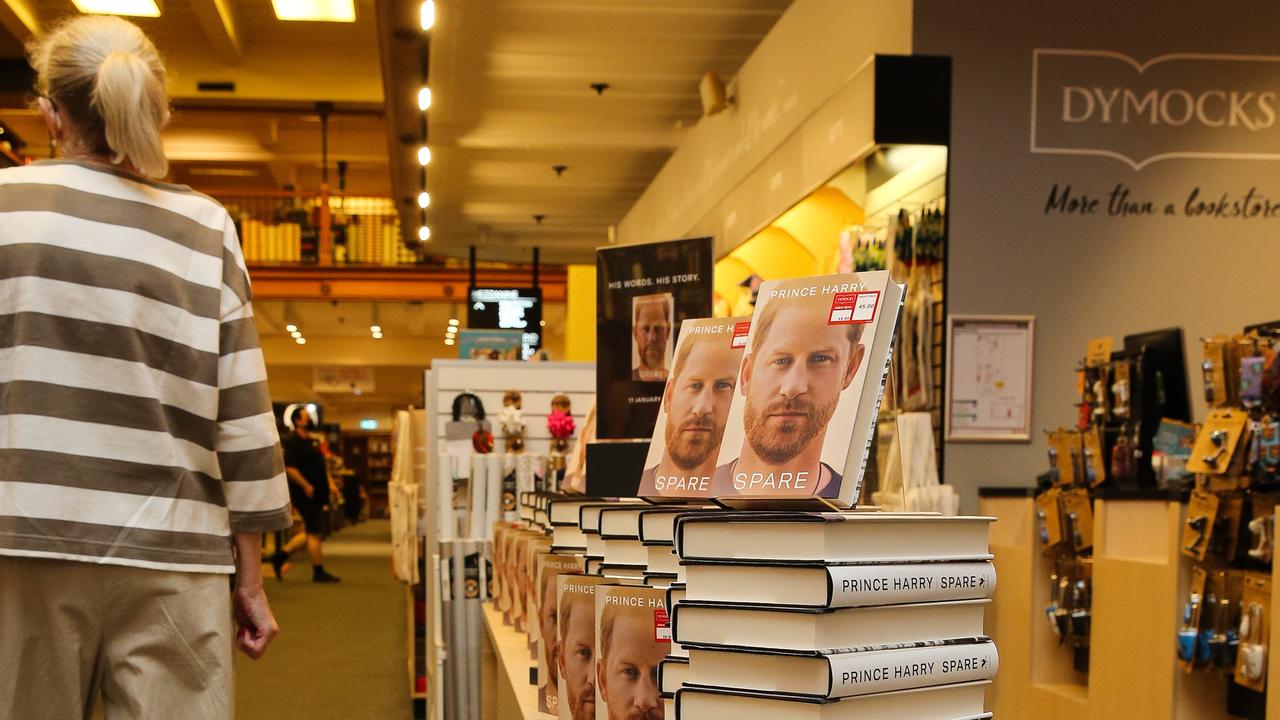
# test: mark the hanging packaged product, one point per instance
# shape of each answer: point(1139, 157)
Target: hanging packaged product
point(1079, 518)
point(1214, 368)
point(1251, 664)
point(1192, 613)
point(1262, 528)
point(1251, 368)
point(1065, 456)
point(1098, 351)
point(1049, 515)
point(1217, 441)
point(1095, 465)
point(1202, 514)
point(1171, 449)
point(1120, 389)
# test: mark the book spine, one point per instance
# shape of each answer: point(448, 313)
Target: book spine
point(863, 585)
point(873, 672)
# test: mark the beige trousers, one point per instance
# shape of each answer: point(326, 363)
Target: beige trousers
point(151, 643)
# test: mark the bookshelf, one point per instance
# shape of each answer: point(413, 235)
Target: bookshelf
point(369, 456)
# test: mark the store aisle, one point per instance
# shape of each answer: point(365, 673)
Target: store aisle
point(341, 648)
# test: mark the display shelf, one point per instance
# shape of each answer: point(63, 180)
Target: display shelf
point(1139, 581)
point(506, 669)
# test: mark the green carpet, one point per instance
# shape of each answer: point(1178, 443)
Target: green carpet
point(341, 648)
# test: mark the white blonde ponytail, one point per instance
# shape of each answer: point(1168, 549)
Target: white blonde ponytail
point(106, 75)
point(130, 99)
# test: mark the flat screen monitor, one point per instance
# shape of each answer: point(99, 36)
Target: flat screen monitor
point(508, 309)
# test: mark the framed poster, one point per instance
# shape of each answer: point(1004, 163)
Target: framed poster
point(643, 293)
point(989, 363)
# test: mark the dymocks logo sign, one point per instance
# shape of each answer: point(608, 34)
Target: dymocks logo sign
point(1097, 102)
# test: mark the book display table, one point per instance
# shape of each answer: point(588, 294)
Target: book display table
point(505, 691)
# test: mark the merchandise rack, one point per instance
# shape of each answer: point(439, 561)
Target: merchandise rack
point(1139, 581)
point(538, 382)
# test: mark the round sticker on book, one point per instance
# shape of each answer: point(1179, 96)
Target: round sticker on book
point(661, 626)
point(853, 308)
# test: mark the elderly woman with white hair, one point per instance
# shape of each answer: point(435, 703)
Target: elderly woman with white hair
point(139, 460)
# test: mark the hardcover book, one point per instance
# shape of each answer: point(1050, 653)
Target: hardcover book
point(831, 585)
point(820, 630)
point(633, 635)
point(857, 671)
point(961, 701)
point(527, 550)
point(672, 672)
point(575, 650)
point(809, 387)
point(551, 567)
point(657, 526)
point(694, 409)
point(831, 537)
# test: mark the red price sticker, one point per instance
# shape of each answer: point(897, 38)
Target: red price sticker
point(740, 332)
point(661, 626)
point(854, 308)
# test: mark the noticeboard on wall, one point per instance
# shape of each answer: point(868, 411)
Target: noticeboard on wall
point(989, 364)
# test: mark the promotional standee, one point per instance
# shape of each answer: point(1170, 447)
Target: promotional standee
point(643, 294)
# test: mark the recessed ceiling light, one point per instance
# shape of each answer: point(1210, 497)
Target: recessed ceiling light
point(377, 336)
point(424, 98)
point(424, 199)
point(427, 14)
point(135, 8)
point(448, 341)
point(295, 334)
point(291, 327)
point(301, 341)
point(424, 156)
point(315, 10)
point(424, 233)
point(453, 321)
point(375, 328)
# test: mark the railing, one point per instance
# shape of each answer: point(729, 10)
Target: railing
point(317, 229)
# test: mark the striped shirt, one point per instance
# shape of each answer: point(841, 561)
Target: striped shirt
point(135, 423)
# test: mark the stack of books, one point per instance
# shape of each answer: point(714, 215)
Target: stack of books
point(832, 615)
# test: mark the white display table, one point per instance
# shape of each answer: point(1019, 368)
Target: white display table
point(505, 691)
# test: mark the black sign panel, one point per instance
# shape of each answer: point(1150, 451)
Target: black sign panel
point(508, 309)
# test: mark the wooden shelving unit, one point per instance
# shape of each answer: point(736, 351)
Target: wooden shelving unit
point(369, 456)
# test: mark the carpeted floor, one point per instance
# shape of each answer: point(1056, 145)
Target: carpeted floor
point(341, 648)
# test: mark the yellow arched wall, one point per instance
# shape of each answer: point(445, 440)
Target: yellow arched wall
point(804, 240)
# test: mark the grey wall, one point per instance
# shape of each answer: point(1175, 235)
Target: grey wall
point(1088, 276)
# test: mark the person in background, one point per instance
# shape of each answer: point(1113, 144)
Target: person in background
point(309, 486)
point(139, 459)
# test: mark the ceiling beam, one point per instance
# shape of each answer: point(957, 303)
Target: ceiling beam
point(19, 19)
point(218, 20)
point(393, 284)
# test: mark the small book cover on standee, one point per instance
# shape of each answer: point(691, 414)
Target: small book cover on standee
point(551, 567)
point(633, 635)
point(809, 389)
point(694, 409)
point(574, 682)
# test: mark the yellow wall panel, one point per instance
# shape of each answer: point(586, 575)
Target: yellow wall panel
point(580, 315)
